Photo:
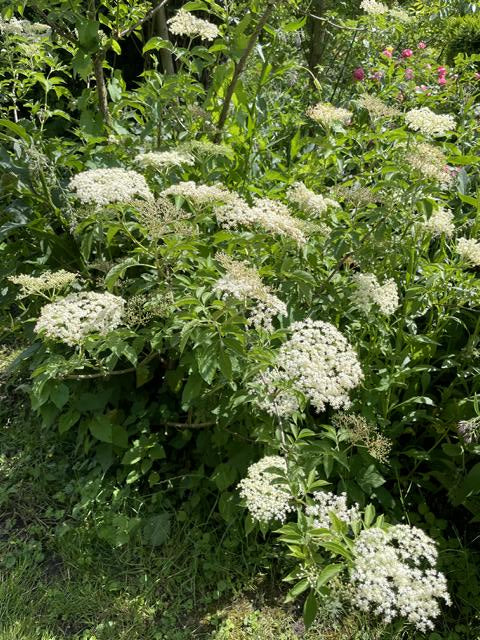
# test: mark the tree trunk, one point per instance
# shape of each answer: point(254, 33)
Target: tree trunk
point(318, 36)
point(161, 29)
point(101, 88)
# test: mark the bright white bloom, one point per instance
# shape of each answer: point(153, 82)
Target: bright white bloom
point(199, 194)
point(79, 315)
point(400, 14)
point(394, 575)
point(242, 282)
point(469, 250)
point(373, 7)
point(440, 222)
point(426, 121)
point(31, 30)
point(162, 159)
point(31, 285)
point(265, 499)
point(316, 363)
point(308, 201)
point(105, 186)
point(431, 162)
point(271, 215)
point(184, 23)
point(327, 114)
point(205, 148)
point(376, 107)
point(368, 291)
point(327, 503)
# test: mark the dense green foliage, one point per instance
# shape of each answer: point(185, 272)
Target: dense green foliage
point(204, 260)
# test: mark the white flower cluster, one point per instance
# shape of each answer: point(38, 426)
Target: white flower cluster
point(469, 250)
point(162, 159)
point(78, 315)
point(205, 148)
point(271, 215)
point(327, 503)
point(265, 499)
point(400, 14)
point(426, 121)
point(440, 222)
point(318, 363)
point(199, 194)
point(389, 578)
point(184, 23)
point(105, 186)
point(368, 291)
point(31, 30)
point(327, 114)
point(431, 163)
point(376, 107)
point(242, 282)
point(373, 7)
point(31, 285)
point(308, 201)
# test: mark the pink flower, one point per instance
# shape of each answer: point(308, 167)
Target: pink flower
point(359, 74)
point(388, 52)
point(422, 45)
point(442, 80)
point(477, 75)
point(409, 74)
point(441, 71)
point(407, 53)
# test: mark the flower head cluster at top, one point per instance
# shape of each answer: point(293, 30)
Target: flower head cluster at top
point(325, 503)
point(78, 315)
point(469, 250)
point(394, 575)
point(199, 194)
point(47, 281)
point(368, 291)
point(205, 148)
point(375, 8)
point(469, 430)
point(429, 123)
point(326, 114)
point(184, 23)
point(316, 363)
point(106, 186)
point(440, 223)
point(242, 282)
point(162, 159)
point(308, 201)
point(376, 107)
point(31, 30)
point(431, 163)
point(266, 499)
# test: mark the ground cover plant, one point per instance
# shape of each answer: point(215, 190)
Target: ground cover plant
point(240, 320)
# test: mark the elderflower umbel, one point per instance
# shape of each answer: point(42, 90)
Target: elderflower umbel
point(242, 282)
point(368, 291)
point(31, 30)
point(328, 115)
point(373, 7)
point(205, 148)
point(376, 107)
point(318, 363)
point(426, 121)
point(326, 503)
point(199, 194)
point(184, 23)
point(32, 285)
point(469, 250)
point(105, 186)
point(308, 201)
point(265, 499)
point(73, 318)
point(431, 162)
point(440, 222)
point(389, 577)
point(162, 159)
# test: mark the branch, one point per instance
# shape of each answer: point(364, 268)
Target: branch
point(189, 425)
point(126, 32)
point(65, 33)
point(107, 374)
point(337, 26)
point(239, 67)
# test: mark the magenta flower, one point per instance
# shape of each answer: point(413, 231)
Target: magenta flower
point(407, 53)
point(422, 45)
point(359, 74)
point(388, 52)
point(441, 71)
point(442, 80)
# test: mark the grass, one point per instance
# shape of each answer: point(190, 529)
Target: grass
point(60, 578)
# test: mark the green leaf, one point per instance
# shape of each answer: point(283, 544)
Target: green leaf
point(157, 43)
point(369, 514)
point(68, 419)
point(192, 389)
point(327, 573)
point(157, 529)
point(295, 591)
point(310, 609)
point(101, 429)
point(88, 35)
point(59, 395)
